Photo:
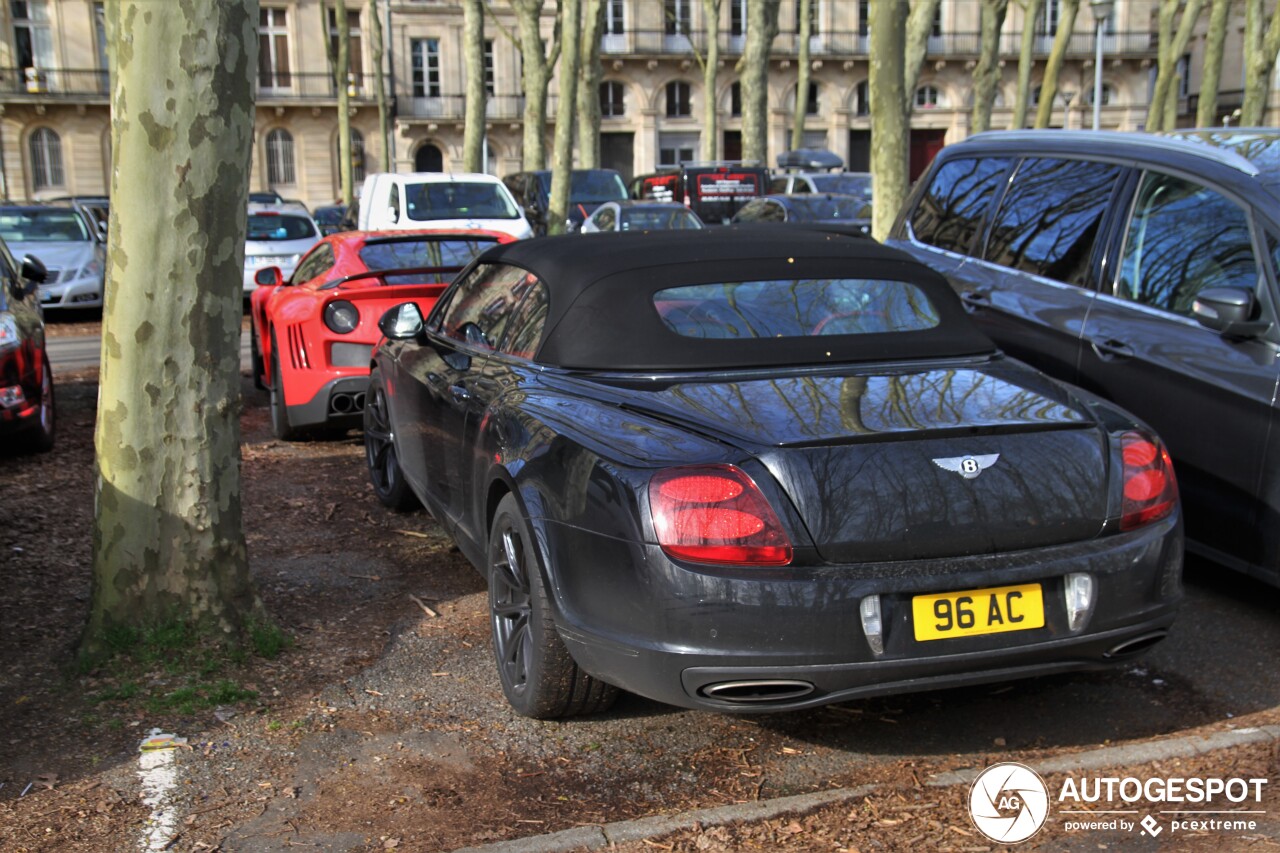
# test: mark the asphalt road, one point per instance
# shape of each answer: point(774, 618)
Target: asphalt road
point(69, 354)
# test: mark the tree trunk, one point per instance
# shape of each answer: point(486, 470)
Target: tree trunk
point(804, 9)
point(1026, 61)
point(536, 77)
point(710, 140)
point(890, 133)
point(919, 25)
point(762, 28)
point(341, 75)
point(1211, 75)
point(987, 75)
point(1061, 39)
point(589, 78)
point(562, 157)
point(380, 87)
point(473, 128)
point(168, 542)
point(1172, 46)
point(1261, 44)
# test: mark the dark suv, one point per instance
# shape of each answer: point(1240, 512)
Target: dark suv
point(588, 189)
point(1143, 268)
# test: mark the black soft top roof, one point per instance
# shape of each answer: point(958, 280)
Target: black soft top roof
point(602, 316)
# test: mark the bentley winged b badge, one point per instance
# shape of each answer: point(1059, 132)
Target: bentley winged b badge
point(967, 466)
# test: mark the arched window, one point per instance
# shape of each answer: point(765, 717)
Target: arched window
point(927, 97)
point(811, 106)
point(1108, 95)
point(46, 160)
point(679, 99)
point(357, 157)
point(280, 158)
point(1035, 96)
point(612, 100)
point(735, 99)
point(428, 158)
point(862, 99)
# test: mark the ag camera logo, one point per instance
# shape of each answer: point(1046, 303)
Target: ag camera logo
point(1008, 802)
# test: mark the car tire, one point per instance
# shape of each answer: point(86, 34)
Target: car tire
point(380, 452)
point(39, 439)
point(256, 364)
point(539, 677)
point(279, 411)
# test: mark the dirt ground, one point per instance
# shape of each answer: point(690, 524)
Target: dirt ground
point(381, 724)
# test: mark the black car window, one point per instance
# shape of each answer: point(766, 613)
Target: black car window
point(605, 219)
point(393, 202)
point(1049, 219)
point(269, 227)
point(761, 210)
point(951, 210)
point(423, 251)
point(795, 309)
point(1183, 237)
point(319, 261)
point(481, 305)
point(524, 332)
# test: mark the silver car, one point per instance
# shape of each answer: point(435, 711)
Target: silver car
point(68, 247)
point(277, 237)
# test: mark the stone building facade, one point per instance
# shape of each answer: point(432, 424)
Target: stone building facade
point(54, 96)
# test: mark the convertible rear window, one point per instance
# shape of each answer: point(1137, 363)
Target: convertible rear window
point(454, 252)
point(795, 308)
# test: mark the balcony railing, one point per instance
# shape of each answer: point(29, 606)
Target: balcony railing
point(42, 83)
point(501, 107)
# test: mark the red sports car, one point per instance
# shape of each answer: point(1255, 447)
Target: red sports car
point(312, 336)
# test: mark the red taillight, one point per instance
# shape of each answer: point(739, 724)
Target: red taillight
point(715, 514)
point(1150, 492)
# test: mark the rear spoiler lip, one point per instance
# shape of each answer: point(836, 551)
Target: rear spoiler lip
point(338, 282)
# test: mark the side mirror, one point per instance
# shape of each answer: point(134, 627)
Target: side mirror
point(1227, 310)
point(401, 323)
point(102, 230)
point(475, 336)
point(268, 277)
point(33, 270)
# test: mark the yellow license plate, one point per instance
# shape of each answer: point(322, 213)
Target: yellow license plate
point(977, 611)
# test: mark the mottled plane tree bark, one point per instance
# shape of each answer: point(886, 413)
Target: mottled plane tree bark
point(590, 75)
point(536, 64)
point(342, 74)
point(753, 70)
point(562, 155)
point(710, 61)
point(380, 86)
point(1162, 111)
point(1026, 61)
point(986, 77)
point(168, 542)
point(1211, 70)
point(804, 12)
point(1261, 44)
point(473, 128)
point(1057, 56)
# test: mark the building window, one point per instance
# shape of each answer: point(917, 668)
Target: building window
point(862, 99)
point(927, 97)
point(46, 160)
point(864, 17)
point(1108, 95)
point(488, 67)
point(1184, 83)
point(426, 67)
point(678, 17)
point(811, 106)
point(935, 29)
point(280, 158)
point(813, 17)
point(612, 103)
point(273, 49)
point(357, 157)
point(735, 99)
point(100, 33)
point(1035, 96)
point(737, 17)
point(355, 64)
point(31, 34)
point(679, 99)
point(1048, 22)
point(615, 21)
point(676, 148)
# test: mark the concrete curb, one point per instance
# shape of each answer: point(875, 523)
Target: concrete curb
point(601, 836)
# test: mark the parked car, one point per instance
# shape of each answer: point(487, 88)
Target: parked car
point(311, 336)
point(760, 470)
point(67, 245)
point(588, 189)
point(268, 197)
point(1143, 268)
point(396, 202)
point(714, 191)
point(96, 209)
point(825, 208)
point(808, 170)
point(640, 216)
point(26, 379)
point(276, 237)
point(329, 217)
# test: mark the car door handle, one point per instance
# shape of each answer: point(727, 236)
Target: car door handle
point(459, 393)
point(1110, 349)
point(976, 298)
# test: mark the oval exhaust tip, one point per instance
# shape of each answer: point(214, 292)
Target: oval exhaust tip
point(759, 690)
point(1137, 645)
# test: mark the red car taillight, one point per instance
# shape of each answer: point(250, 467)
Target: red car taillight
point(716, 514)
point(1150, 492)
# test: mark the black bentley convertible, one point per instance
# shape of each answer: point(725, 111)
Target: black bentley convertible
point(762, 469)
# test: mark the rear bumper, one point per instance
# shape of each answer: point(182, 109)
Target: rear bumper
point(338, 403)
point(683, 632)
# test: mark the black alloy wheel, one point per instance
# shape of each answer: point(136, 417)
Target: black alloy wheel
point(39, 439)
point(539, 677)
point(380, 452)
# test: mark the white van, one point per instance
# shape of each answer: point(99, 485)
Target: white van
point(396, 202)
